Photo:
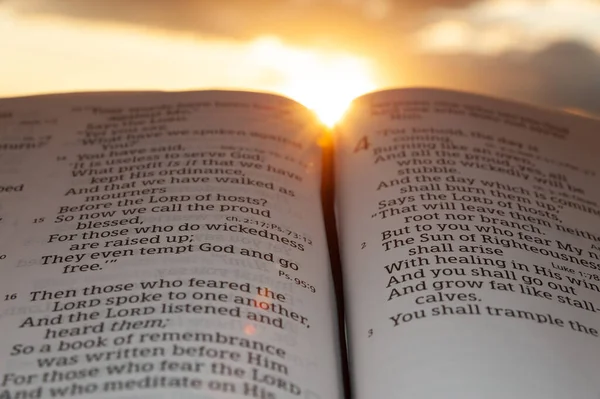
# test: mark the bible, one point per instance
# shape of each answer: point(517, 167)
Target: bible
point(221, 244)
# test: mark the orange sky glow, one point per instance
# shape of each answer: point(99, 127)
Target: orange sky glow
point(505, 48)
point(54, 55)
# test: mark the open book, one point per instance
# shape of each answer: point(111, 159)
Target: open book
point(175, 245)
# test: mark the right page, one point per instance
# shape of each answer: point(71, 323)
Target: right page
point(470, 242)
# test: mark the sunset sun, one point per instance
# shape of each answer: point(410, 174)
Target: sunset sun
point(322, 81)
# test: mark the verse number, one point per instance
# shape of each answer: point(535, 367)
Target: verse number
point(39, 220)
point(370, 332)
point(10, 297)
point(363, 144)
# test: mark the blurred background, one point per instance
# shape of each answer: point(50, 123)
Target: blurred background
point(319, 52)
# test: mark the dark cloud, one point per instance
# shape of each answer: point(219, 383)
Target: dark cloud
point(562, 75)
point(569, 74)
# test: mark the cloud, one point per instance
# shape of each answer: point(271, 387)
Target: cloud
point(295, 20)
point(494, 26)
point(545, 52)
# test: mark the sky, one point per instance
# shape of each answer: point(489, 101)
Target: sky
point(322, 53)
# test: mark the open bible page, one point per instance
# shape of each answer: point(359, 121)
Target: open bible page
point(163, 245)
point(470, 248)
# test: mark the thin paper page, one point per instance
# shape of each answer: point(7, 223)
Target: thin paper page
point(470, 247)
point(163, 245)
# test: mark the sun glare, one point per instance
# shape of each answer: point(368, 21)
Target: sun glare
point(324, 82)
point(114, 57)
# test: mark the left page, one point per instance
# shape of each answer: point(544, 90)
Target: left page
point(163, 245)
